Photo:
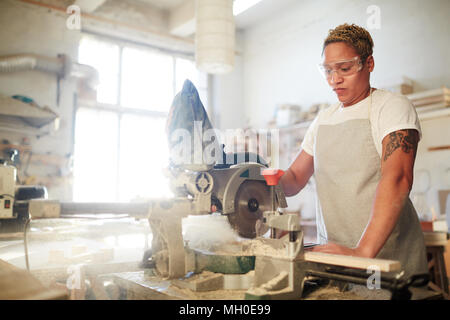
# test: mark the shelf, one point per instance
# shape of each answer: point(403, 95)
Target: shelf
point(296, 126)
point(13, 124)
point(428, 93)
point(31, 115)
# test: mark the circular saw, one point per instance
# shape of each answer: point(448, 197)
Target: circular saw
point(252, 199)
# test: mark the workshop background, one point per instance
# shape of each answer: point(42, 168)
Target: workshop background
point(101, 76)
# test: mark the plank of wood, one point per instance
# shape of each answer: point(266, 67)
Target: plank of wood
point(419, 103)
point(429, 93)
point(435, 238)
point(352, 262)
point(439, 148)
point(431, 107)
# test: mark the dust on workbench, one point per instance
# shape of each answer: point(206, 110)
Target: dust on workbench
point(331, 293)
point(321, 292)
point(210, 295)
point(328, 292)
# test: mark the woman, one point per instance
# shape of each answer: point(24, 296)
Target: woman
point(361, 151)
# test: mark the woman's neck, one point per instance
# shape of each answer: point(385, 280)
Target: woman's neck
point(361, 97)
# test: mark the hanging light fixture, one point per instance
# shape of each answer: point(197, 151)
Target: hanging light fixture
point(214, 36)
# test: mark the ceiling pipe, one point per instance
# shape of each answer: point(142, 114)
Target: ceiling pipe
point(61, 66)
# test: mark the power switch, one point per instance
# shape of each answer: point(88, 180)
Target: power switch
point(7, 204)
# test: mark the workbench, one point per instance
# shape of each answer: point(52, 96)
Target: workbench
point(144, 285)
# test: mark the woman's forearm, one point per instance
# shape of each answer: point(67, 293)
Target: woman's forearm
point(290, 184)
point(390, 198)
point(298, 174)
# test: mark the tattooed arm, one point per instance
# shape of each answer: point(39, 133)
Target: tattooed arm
point(397, 162)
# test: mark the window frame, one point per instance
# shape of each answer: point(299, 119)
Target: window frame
point(121, 110)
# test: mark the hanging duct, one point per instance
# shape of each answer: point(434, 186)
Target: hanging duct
point(61, 66)
point(214, 36)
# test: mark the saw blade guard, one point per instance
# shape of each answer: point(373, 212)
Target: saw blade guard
point(187, 125)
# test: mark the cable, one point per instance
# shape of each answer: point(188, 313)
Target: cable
point(5, 194)
point(25, 243)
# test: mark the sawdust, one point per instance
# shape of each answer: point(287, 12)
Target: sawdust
point(367, 294)
point(260, 248)
point(212, 234)
point(209, 295)
point(329, 292)
point(207, 232)
point(199, 276)
point(332, 293)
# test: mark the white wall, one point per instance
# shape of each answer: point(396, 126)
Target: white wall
point(435, 132)
point(281, 53)
point(227, 92)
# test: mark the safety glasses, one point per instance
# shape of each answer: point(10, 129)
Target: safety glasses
point(343, 68)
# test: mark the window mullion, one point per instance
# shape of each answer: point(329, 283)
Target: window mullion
point(119, 78)
point(119, 123)
point(119, 137)
point(174, 80)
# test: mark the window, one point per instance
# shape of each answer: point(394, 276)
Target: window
point(104, 57)
point(96, 152)
point(143, 156)
point(120, 144)
point(147, 80)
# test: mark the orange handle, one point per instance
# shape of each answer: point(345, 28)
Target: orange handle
point(272, 176)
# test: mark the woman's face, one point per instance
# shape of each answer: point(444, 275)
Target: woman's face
point(353, 88)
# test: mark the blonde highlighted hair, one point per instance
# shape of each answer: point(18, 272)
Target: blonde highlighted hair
point(355, 36)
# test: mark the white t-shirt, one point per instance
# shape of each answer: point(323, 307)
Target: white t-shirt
point(389, 112)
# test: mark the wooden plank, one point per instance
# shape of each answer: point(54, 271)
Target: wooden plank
point(439, 148)
point(431, 107)
point(435, 238)
point(421, 103)
point(428, 93)
point(434, 114)
point(352, 262)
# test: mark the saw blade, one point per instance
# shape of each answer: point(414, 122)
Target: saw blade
point(252, 199)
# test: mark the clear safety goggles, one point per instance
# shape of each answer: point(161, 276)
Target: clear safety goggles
point(343, 68)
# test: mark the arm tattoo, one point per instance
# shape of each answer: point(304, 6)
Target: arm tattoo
point(405, 139)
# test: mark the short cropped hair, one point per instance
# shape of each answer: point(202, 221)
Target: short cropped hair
point(355, 36)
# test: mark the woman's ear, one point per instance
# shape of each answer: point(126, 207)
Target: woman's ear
point(370, 63)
